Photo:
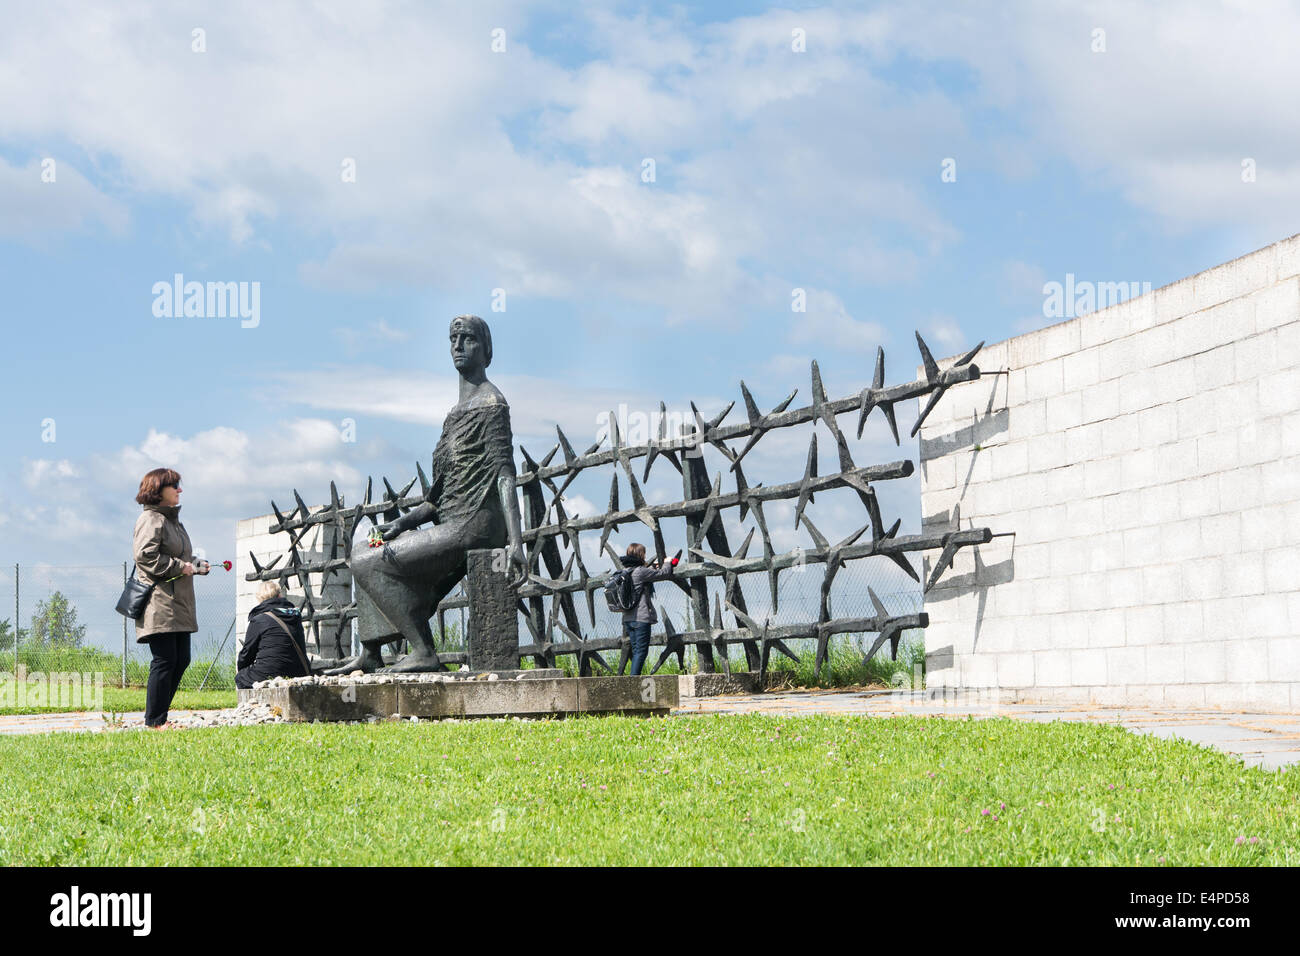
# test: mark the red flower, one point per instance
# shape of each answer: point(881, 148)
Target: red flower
point(227, 565)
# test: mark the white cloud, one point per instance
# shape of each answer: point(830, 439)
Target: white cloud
point(227, 475)
point(424, 398)
point(827, 323)
point(32, 209)
point(41, 472)
point(1165, 114)
point(377, 333)
point(946, 335)
point(446, 184)
point(525, 173)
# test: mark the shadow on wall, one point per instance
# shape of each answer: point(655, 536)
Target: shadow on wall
point(977, 582)
point(978, 433)
point(976, 436)
point(981, 431)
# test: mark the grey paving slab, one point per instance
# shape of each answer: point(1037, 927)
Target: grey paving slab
point(11, 724)
point(1197, 733)
point(1272, 761)
point(1263, 740)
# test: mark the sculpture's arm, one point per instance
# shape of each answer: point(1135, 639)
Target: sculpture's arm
point(420, 514)
point(514, 534)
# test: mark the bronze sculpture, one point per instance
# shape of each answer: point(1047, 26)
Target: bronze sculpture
point(547, 525)
point(471, 500)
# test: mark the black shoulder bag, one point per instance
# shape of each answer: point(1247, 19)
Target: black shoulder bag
point(135, 597)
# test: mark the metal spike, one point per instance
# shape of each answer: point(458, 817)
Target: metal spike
point(742, 489)
point(615, 438)
point(881, 611)
point(968, 356)
point(906, 565)
point(716, 420)
point(818, 538)
point(805, 489)
point(942, 564)
point(888, 409)
point(528, 460)
point(929, 407)
point(745, 546)
point(753, 440)
point(569, 456)
point(784, 404)
point(751, 410)
point(673, 644)
point(931, 367)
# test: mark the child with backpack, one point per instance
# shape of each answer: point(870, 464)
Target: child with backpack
point(630, 590)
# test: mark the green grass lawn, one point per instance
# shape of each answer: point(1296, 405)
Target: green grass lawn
point(124, 699)
point(612, 790)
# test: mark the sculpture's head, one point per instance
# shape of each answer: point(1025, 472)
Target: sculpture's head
point(471, 343)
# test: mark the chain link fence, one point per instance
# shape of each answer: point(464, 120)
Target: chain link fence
point(62, 619)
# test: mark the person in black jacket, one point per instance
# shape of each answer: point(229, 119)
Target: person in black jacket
point(274, 645)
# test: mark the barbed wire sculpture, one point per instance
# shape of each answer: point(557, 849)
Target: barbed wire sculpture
point(559, 631)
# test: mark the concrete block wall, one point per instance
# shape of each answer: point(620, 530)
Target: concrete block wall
point(254, 535)
point(1147, 457)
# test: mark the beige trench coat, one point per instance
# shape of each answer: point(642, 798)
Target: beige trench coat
point(161, 549)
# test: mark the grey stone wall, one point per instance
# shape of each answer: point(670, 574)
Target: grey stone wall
point(253, 534)
point(1147, 456)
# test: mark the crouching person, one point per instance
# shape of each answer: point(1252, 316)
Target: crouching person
point(274, 645)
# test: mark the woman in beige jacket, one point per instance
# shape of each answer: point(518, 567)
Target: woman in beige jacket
point(163, 556)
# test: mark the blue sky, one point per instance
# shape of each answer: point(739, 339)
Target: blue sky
point(521, 170)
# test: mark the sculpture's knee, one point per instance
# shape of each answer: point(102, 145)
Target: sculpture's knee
point(363, 567)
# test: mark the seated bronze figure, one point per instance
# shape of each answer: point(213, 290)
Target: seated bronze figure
point(472, 503)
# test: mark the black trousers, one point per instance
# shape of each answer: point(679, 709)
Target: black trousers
point(171, 655)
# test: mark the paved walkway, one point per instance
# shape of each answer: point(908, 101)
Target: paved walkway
point(1261, 740)
point(46, 723)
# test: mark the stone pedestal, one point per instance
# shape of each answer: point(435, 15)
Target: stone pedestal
point(493, 638)
point(540, 693)
point(715, 685)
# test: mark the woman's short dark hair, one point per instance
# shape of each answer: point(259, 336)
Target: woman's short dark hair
point(152, 484)
point(480, 330)
point(636, 550)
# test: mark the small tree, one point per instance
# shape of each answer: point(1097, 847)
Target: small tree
point(54, 623)
point(7, 635)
